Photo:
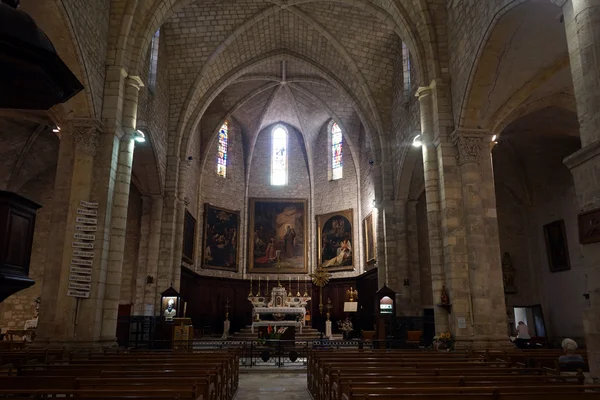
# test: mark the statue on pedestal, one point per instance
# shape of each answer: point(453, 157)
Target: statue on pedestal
point(445, 299)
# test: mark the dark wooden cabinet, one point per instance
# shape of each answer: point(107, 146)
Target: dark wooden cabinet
point(17, 222)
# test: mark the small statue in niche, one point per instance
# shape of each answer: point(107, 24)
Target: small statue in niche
point(445, 299)
point(508, 274)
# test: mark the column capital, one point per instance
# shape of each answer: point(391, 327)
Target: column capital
point(470, 143)
point(85, 133)
point(134, 81)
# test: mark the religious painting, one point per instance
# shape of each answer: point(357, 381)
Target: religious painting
point(335, 252)
point(589, 227)
point(556, 246)
point(189, 235)
point(278, 236)
point(221, 238)
point(369, 234)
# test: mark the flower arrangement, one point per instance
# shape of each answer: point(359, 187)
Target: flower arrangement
point(272, 334)
point(443, 341)
point(345, 325)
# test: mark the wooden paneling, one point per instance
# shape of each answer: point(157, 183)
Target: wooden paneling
point(207, 297)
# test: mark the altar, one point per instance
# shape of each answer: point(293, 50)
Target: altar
point(280, 309)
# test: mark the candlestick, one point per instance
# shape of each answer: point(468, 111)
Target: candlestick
point(305, 291)
point(267, 291)
point(258, 293)
point(250, 295)
point(298, 294)
point(290, 284)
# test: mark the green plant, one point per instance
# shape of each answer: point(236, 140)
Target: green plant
point(443, 341)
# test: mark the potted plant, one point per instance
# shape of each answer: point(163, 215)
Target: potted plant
point(443, 341)
point(346, 327)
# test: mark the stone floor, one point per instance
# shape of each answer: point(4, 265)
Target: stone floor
point(272, 386)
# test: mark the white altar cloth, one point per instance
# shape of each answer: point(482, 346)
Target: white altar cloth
point(281, 310)
point(275, 324)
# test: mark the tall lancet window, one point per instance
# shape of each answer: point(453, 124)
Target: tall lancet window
point(153, 62)
point(336, 152)
point(222, 150)
point(279, 157)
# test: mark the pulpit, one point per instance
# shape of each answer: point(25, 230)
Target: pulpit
point(17, 222)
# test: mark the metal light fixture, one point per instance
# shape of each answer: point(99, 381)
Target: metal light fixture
point(494, 138)
point(56, 129)
point(139, 136)
point(417, 141)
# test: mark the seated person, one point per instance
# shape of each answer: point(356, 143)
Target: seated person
point(569, 346)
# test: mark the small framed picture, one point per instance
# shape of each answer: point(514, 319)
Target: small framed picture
point(557, 247)
point(589, 227)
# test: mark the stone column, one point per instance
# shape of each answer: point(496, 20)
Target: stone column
point(432, 193)
point(118, 222)
point(79, 147)
point(401, 270)
point(582, 24)
point(142, 260)
point(414, 267)
point(487, 317)
point(150, 294)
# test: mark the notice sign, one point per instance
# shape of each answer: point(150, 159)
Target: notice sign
point(79, 253)
point(80, 270)
point(80, 279)
point(84, 236)
point(90, 213)
point(80, 286)
point(87, 263)
point(84, 220)
point(86, 228)
point(87, 204)
point(83, 245)
point(78, 293)
point(462, 324)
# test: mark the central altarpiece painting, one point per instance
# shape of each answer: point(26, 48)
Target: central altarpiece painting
point(278, 229)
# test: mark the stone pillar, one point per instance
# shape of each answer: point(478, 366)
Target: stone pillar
point(142, 260)
point(118, 222)
point(401, 270)
point(181, 204)
point(487, 317)
point(59, 314)
point(414, 267)
point(582, 24)
point(432, 193)
point(150, 294)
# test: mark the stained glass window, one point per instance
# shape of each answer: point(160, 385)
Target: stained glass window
point(153, 62)
point(336, 152)
point(222, 150)
point(406, 72)
point(279, 159)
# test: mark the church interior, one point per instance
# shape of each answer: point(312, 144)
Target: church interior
point(213, 187)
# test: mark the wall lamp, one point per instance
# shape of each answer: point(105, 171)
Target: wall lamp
point(417, 141)
point(139, 136)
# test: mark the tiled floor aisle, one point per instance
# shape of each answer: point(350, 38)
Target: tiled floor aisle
point(267, 386)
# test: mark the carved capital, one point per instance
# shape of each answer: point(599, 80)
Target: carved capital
point(470, 144)
point(86, 134)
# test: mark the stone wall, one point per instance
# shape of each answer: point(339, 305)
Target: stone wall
point(89, 19)
point(228, 193)
point(427, 299)
point(153, 108)
point(132, 246)
point(20, 307)
point(342, 194)
point(367, 187)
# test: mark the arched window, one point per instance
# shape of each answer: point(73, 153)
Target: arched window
point(153, 62)
point(406, 71)
point(336, 152)
point(279, 158)
point(222, 150)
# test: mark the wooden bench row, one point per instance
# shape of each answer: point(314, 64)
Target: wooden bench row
point(203, 375)
point(334, 375)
